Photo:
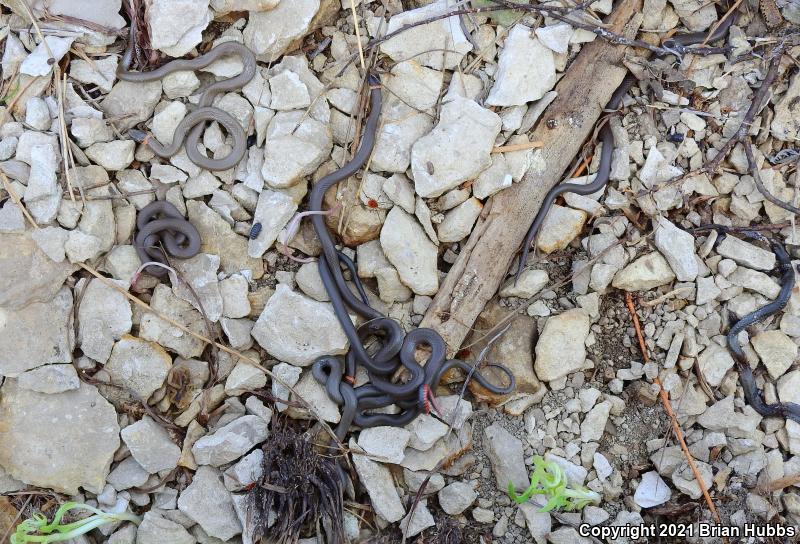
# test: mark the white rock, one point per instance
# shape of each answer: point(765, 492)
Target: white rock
point(657, 169)
point(776, 350)
point(560, 349)
point(104, 316)
point(746, 254)
point(494, 179)
point(155, 329)
point(270, 34)
point(418, 520)
point(296, 146)
point(458, 222)
point(100, 72)
point(560, 227)
point(400, 191)
point(410, 251)
point(677, 246)
point(180, 84)
point(176, 26)
point(786, 124)
point(288, 92)
point(425, 43)
point(401, 126)
point(207, 502)
point(151, 445)
point(506, 455)
point(50, 379)
point(115, 155)
point(287, 376)
point(296, 329)
point(456, 150)
point(647, 272)
point(530, 282)
point(235, 303)
point(415, 84)
point(652, 491)
point(714, 362)
point(12, 220)
point(243, 378)
point(274, 210)
point(165, 121)
point(37, 334)
point(37, 63)
point(755, 281)
point(425, 431)
point(384, 444)
point(526, 70)
point(80, 421)
point(390, 286)
point(380, 486)
point(456, 497)
point(37, 114)
point(202, 291)
point(138, 365)
point(43, 194)
point(231, 441)
point(555, 37)
point(594, 424)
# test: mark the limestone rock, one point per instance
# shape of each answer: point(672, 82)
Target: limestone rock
point(425, 43)
point(506, 455)
point(151, 445)
point(714, 362)
point(677, 246)
point(380, 486)
point(647, 272)
point(526, 70)
point(29, 275)
point(384, 444)
point(297, 329)
point(155, 329)
point(176, 26)
point(77, 428)
point(50, 379)
point(560, 227)
point(776, 350)
point(270, 34)
point(231, 441)
point(458, 222)
point(410, 251)
point(207, 502)
point(560, 349)
point(138, 365)
point(104, 316)
point(456, 150)
point(274, 210)
point(38, 334)
point(295, 147)
point(530, 282)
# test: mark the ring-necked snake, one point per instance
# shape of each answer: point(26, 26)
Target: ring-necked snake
point(161, 222)
point(397, 349)
point(788, 410)
point(190, 129)
point(607, 139)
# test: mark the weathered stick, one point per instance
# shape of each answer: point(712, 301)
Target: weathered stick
point(484, 260)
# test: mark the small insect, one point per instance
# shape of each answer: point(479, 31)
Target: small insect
point(255, 230)
point(783, 156)
point(372, 203)
point(675, 137)
point(430, 168)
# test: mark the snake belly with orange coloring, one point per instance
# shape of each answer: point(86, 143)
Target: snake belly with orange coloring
point(190, 129)
point(395, 348)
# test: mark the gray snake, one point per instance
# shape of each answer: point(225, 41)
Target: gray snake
point(397, 349)
point(788, 410)
point(190, 129)
point(607, 140)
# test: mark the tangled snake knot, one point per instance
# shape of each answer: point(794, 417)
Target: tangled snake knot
point(163, 232)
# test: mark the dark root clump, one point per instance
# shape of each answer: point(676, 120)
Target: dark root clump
point(299, 488)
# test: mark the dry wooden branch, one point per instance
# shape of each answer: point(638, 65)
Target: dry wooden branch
point(485, 257)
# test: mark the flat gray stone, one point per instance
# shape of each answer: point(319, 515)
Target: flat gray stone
point(138, 365)
point(207, 502)
point(231, 441)
point(379, 484)
point(104, 317)
point(506, 454)
point(50, 379)
point(560, 349)
point(157, 530)
point(410, 251)
point(63, 441)
point(38, 334)
point(269, 34)
point(151, 445)
point(526, 70)
point(297, 329)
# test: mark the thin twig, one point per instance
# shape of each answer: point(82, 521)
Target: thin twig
point(15, 198)
point(517, 147)
point(358, 35)
point(754, 172)
point(668, 408)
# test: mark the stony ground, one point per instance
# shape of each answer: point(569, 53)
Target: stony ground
point(112, 396)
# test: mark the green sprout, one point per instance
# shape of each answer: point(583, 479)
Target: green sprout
point(548, 478)
point(36, 528)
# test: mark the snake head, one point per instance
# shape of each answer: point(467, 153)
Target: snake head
point(139, 136)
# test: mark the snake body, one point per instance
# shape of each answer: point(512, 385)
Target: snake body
point(190, 129)
point(607, 139)
point(160, 224)
point(397, 349)
point(788, 410)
